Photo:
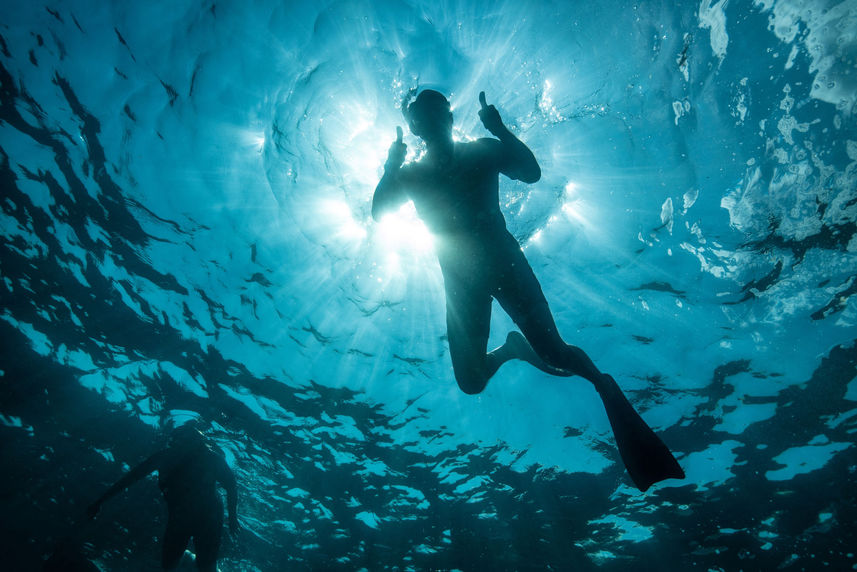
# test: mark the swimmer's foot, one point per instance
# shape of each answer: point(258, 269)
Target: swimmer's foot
point(517, 347)
point(646, 457)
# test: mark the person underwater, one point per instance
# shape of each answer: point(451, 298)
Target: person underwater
point(188, 473)
point(455, 191)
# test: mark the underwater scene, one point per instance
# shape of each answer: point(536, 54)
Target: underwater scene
point(229, 289)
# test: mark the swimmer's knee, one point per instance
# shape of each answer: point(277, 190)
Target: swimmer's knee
point(470, 382)
point(471, 389)
point(469, 371)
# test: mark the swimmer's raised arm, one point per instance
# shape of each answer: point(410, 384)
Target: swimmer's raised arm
point(148, 466)
point(388, 193)
point(518, 161)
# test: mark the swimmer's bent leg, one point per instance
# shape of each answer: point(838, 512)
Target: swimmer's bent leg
point(646, 457)
point(206, 537)
point(468, 319)
point(174, 544)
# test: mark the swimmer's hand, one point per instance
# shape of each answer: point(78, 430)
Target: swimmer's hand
point(490, 117)
point(397, 152)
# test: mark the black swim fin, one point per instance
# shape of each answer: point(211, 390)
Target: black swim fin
point(645, 456)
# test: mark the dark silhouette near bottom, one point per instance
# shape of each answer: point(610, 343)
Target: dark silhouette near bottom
point(188, 473)
point(68, 556)
point(455, 190)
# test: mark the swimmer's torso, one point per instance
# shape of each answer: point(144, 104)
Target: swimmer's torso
point(460, 197)
point(189, 477)
point(459, 203)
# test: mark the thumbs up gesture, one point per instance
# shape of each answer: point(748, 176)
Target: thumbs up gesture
point(397, 152)
point(490, 116)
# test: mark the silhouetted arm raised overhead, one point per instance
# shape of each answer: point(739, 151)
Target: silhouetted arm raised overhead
point(388, 193)
point(148, 466)
point(517, 162)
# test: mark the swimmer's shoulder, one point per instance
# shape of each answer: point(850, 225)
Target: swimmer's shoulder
point(484, 150)
point(413, 173)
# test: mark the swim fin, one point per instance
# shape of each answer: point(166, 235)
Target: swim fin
point(646, 457)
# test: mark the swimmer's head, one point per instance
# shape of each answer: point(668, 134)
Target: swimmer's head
point(429, 116)
point(187, 435)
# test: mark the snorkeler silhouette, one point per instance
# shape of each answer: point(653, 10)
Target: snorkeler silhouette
point(455, 190)
point(188, 473)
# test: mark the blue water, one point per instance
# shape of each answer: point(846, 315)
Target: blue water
point(186, 234)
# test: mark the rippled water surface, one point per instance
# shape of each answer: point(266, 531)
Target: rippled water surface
point(186, 190)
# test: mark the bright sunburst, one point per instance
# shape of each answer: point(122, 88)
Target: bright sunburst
point(404, 231)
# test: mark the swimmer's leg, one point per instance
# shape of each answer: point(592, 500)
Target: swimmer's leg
point(206, 537)
point(468, 320)
point(646, 457)
point(175, 542)
point(540, 344)
point(517, 347)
